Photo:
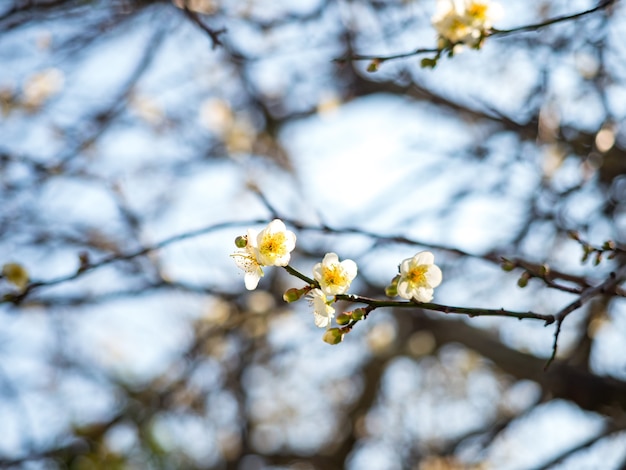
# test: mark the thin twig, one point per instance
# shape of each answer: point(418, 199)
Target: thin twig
point(609, 284)
point(214, 34)
point(551, 21)
point(92, 265)
point(85, 268)
point(607, 431)
point(469, 311)
point(299, 275)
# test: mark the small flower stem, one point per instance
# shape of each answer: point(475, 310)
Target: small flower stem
point(299, 275)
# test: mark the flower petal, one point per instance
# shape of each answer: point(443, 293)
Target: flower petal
point(251, 279)
point(318, 269)
point(350, 268)
point(276, 225)
point(423, 294)
point(330, 258)
point(252, 238)
point(320, 320)
point(403, 289)
point(424, 257)
point(405, 266)
point(434, 275)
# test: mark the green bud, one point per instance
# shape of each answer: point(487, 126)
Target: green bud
point(241, 241)
point(374, 65)
point(507, 265)
point(333, 336)
point(293, 294)
point(16, 274)
point(523, 280)
point(598, 259)
point(427, 63)
point(343, 318)
point(544, 269)
point(358, 314)
point(392, 289)
point(609, 245)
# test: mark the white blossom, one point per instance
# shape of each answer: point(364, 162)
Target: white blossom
point(323, 313)
point(271, 247)
point(274, 244)
point(246, 259)
point(334, 277)
point(464, 21)
point(418, 277)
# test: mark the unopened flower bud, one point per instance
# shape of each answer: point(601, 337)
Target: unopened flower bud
point(598, 259)
point(16, 274)
point(241, 241)
point(374, 65)
point(609, 245)
point(358, 314)
point(343, 318)
point(507, 265)
point(392, 289)
point(428, 63)
point(523, 280)
point(333, 336)
point(293, 294)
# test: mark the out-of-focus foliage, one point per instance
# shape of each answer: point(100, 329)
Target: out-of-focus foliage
point(139, 138)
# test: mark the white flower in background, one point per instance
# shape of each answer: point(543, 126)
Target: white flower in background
point(418, 277)
point(464, 21)
point(204, 7)
point(274, 244)
point(246, 259)
point(333, 276)
point(41, 86)
point(322, 311)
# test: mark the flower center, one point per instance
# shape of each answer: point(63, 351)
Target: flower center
point(457, 28)
point(333, 276)
point(477, 11)
point(273, 245)
point(417, 276)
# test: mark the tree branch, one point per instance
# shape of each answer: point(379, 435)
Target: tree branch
point(214, 34)
point(469, 311)
point(609, 284)
point(491, 33)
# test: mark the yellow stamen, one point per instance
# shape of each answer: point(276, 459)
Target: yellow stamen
point(477, 11)
point(417, 276)
point(273, 245)
point(333, 276)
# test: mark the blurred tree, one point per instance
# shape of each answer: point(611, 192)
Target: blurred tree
point(139, 138)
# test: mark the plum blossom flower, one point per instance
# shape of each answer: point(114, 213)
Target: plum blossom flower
point(334, 277)
point(274, 244)
point(246, 259)
point(418, 277)
point(271, 247)
point(464, 21)
point(322, 311)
